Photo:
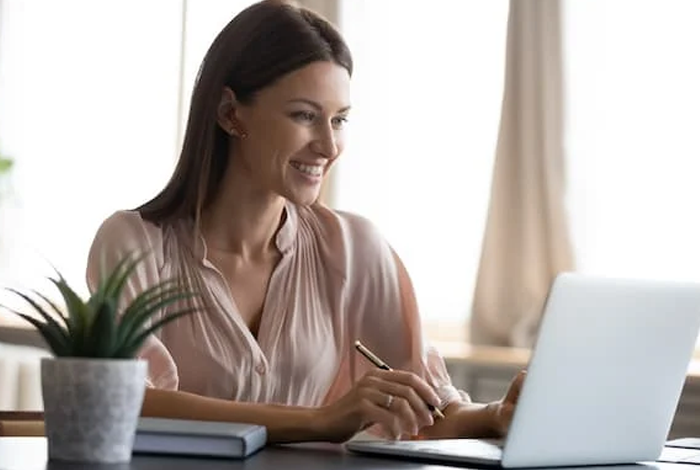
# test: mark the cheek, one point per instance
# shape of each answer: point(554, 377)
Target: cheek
point(274, 143)
point(340, 142)
point(288, 137)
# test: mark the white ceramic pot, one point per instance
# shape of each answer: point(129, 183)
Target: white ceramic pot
point(91, 407)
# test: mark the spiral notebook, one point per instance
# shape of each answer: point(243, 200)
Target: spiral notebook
point(198, 438)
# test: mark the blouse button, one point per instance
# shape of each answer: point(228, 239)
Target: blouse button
point(260, 369)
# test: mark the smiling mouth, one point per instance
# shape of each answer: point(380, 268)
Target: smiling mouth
point(311, 170)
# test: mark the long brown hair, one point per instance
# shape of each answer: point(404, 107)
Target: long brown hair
point(261, 44)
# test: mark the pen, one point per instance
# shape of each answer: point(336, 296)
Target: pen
point(371, 357)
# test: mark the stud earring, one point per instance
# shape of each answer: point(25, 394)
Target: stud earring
point(236, 130)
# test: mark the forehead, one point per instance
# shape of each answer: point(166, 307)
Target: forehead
point(326, 83)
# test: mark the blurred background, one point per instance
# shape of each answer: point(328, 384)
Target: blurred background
point(494, 145)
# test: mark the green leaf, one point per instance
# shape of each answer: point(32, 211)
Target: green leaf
point(58, 345)
point(115, 282)
point(95, 328)
point(144, 316)
point(133, 344)
point(78, 321)
point(49, 320)
point(101, 340)
point(140, 312)
point(55, 308)
point(144, 299)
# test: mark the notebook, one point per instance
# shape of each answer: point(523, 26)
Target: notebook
point(198, 438)
point(603, 382)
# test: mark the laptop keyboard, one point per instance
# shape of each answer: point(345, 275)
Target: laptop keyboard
point(487, 449)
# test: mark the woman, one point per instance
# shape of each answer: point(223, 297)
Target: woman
point(287, 283)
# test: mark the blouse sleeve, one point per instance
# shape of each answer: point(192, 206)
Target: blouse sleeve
point(383, 306)
point(126, 233)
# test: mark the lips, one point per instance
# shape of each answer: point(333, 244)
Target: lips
point(314, 170)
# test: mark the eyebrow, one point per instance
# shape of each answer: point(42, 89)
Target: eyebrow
point(316, 105)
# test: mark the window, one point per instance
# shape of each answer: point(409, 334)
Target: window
point(633, 100)
point(91, 114)
point(422, 137)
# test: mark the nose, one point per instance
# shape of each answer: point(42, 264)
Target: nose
point(325, 143)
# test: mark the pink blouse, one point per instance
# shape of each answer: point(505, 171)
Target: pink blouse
point(338, 280)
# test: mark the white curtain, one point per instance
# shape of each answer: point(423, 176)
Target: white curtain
point(526, 241)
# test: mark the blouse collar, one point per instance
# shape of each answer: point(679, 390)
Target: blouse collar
point(284, 239)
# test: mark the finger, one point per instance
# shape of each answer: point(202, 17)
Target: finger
point(398, 408)
point(374, 413)
point(421, 387)
point(515, 387)
point(507, 413)
point(416, 408)
point(409, 379)
point(401, 407)
point(408, 402)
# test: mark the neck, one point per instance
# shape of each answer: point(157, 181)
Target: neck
point(242, 220)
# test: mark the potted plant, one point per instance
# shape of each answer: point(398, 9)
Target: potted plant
point(93, 388)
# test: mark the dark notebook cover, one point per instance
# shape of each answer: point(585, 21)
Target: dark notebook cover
point(200, 438)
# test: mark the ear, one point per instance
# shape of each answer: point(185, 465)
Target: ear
point(226, 114)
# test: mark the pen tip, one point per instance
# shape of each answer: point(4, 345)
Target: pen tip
point(357, 342)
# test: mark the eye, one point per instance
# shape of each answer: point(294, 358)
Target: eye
point(339, 122)
point(305, 116)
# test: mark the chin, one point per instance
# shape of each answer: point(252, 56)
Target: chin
point(303, 198)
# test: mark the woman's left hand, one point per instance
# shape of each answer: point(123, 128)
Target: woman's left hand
point(502, 411)
point(477, 420)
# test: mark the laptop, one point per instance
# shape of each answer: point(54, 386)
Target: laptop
point(603, 381)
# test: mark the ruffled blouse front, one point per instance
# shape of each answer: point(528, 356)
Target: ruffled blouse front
point(337, 281)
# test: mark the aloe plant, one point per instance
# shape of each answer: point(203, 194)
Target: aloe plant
point(95, 328)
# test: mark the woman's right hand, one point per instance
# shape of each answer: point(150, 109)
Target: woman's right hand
point(395, 400)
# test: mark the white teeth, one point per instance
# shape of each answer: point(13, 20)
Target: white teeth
point(313, 170)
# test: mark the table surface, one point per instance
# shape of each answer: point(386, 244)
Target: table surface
point(29, 453)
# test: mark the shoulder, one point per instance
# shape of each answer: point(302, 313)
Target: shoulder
point(357, 237)
point(129, 227)
point(364, 237)
point(125, 231)
point(351, 226)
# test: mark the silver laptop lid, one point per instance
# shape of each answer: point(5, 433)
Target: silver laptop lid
point(606, 372)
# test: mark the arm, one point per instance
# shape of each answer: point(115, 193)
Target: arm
point(478, 419)
point(284, 424)
point(386, 302)
point(463, 419)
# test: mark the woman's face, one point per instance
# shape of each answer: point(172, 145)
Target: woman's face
point(295, 131)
